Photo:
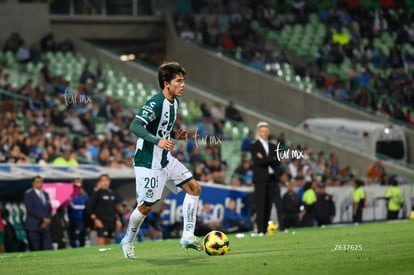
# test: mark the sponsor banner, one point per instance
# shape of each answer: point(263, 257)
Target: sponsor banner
point(59, 193)
point(214, 194)
point(217, 195)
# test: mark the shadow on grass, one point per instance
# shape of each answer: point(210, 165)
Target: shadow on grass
point(182, 261)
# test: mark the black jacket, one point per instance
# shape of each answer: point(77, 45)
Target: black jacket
point(261, 165)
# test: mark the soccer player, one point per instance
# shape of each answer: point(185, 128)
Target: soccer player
point(154, 165)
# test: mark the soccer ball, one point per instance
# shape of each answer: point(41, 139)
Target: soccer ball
point(216, 243)
point(272, 228)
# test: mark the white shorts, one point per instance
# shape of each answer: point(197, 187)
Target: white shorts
point(150, 183)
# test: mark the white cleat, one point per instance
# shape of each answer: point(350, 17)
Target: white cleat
point(192, 242)
point(128, 250)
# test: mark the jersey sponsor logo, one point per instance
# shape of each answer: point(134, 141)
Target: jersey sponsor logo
point(147, 108)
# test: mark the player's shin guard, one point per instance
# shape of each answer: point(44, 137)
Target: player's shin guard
point(135, 221)
point(189, 215)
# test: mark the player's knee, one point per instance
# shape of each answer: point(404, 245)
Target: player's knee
point(198, 190)
point(195, 188)
point(145, 209)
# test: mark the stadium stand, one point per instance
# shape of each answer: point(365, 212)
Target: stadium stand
point(74, 126)
point(348, 58)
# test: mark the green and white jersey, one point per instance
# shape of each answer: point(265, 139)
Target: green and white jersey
point(158, 115)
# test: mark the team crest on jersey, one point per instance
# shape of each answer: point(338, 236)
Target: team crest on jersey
point(149, 193)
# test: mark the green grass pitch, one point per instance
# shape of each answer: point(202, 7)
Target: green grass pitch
point(377, 248)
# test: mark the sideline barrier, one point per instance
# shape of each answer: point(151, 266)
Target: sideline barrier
point(218, 195)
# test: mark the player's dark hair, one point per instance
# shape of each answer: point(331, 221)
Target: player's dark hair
point(168, 71)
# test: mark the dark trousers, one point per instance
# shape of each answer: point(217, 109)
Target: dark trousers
point(291, 220)
point(77, 233)
point(264, 193)
point(39, 240)
point(279, 206)
point(307, 220)
point(323, 220)
point(392, 215)
point(358, 216)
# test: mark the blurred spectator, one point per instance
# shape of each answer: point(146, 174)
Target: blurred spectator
point(395, 200)
point(45, 71)
point(66, 45)
point(11, 242)
point(290, 206)
point(68, 158)
point(2, 231)
point(234, 222)
point(207, 221)
point(16, 156)
point(94, 147)
point(375, 172)
point(47, 43)
point(179, 153)
point(23, 53)
point(75, 123)
point(104, 157)
point(13, 43)
point(324, 206)
point(308, 201)
point(151, 228)
point(247, 141)
point(114, 126)
point(35, 54)
point(5, 81)
point(243, 174)
point(187, 34)
point(86, 75)
point(217, 113)
point(232, 113)
point(38, 216)
point(45, 158)
point(359, 201)
point(408, 117)
point(201, 173)
point(196, 155)
point(76, 213)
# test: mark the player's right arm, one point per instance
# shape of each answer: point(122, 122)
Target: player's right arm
point(137, 127)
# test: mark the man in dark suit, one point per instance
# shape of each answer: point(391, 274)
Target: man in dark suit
point(38, 216)
point(265, 177)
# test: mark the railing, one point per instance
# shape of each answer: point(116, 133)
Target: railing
point(16, 97)
point(106, 7)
